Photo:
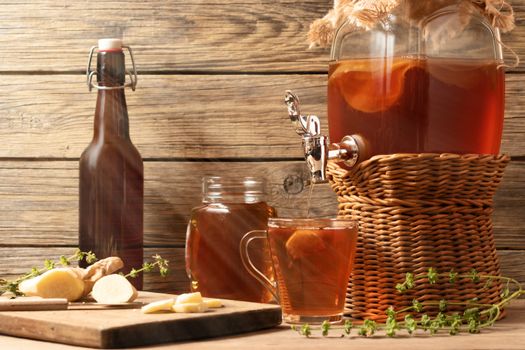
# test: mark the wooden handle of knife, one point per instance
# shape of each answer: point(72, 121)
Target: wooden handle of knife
point(32, 304)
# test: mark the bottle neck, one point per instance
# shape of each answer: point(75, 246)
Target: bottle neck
point(111, 69)
point(111, 114)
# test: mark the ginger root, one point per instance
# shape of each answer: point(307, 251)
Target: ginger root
point(98, 270)
point(71, 283)
point(55, 283)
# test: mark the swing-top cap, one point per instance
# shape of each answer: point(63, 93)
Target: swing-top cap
point(109, 44)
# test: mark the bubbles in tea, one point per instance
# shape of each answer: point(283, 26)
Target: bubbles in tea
point(312, 267)
point(414, 105)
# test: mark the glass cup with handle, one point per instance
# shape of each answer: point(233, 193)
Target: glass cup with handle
point(312, 261)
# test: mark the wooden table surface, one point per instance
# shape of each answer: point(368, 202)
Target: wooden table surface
point(505, 335)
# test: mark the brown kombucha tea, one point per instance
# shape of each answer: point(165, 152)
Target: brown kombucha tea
point(312, 266)
point(111, 176)
point(415, 105)
point(213, 260)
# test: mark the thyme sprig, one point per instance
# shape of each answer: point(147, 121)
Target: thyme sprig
point(473, 319)
point(158, 262)
point(64, 261)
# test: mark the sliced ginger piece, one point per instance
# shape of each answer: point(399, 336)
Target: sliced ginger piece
point(113, 289)
point(213, 303)
point(184, 303)
point(189, 298)
point(56, 283)
point(190, 307)
point(160, 305)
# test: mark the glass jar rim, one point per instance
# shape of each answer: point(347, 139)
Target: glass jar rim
point(247, 189)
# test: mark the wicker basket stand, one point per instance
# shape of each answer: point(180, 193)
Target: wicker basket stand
point(417, 211)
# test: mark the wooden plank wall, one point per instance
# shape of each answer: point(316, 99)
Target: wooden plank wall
point(209, 101)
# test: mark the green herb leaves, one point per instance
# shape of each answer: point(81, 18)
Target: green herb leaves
point(348, 325)
point(368, 328)
point(325, 327)
point(417, 306)
point(475, 316)
point(391, 323)
point(432, 276)
point(407, 284)
point(88, 256)
point(452, 277)
point(305, 330)
point(158, 262)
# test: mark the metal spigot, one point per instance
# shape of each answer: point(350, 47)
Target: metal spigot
point(317, 149)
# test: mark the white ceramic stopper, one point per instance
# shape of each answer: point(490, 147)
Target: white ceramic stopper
point(109, 44)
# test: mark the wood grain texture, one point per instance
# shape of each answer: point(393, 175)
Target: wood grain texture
point(124, 328)
point(39, 199)
point(15, 261)
point(198, 116)
point(215, 35)
point(248, 35)
point(507, 334)
point(170, 116)
point(509, 213)
point(514, 115)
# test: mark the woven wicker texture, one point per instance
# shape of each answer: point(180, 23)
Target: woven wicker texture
point(417, 211)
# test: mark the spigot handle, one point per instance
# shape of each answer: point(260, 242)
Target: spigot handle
point(316, 147)
point(304, 125)
point(292, 102)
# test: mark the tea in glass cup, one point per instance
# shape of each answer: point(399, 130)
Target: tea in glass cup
point(231, 206)
point(312, 261)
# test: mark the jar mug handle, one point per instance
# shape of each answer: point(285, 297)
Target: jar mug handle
point(248, 264)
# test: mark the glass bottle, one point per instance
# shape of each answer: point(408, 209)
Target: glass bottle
point(111, 171)
point(230, 209)
point(426, 78)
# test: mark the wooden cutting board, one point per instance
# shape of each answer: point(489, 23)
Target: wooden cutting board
point(119, 328)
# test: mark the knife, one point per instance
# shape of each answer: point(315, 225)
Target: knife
point(45, 304)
